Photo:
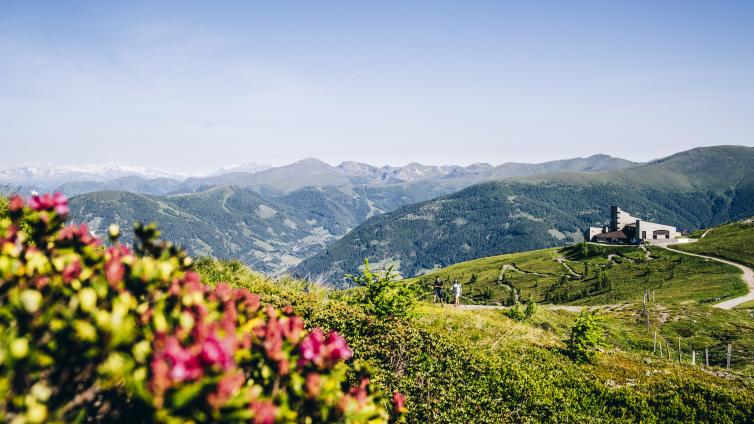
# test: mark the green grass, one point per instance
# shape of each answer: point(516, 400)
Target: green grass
point(731, 241)
point(458, 365)
point(747, 305)
point(673, 277)
point(699, 327)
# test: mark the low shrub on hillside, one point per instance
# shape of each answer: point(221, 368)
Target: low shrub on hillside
point(585, 337)
point(95, 333)
point(515, 313)
point(383, 295)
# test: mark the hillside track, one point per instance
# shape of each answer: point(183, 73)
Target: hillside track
point(747, 276)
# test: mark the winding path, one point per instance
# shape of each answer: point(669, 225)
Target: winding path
point(561, 260)
point(747, 276)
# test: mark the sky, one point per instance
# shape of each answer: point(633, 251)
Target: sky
point(194, 86)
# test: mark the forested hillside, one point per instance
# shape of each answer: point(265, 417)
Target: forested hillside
point(225, 222)
point(692, 189)
point(277, 217)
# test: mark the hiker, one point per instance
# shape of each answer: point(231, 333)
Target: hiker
point(437, 289)
point(457, 292)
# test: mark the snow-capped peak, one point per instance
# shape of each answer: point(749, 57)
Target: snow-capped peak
point(48, 176)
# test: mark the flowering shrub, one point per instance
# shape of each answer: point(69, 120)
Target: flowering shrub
point(89, 332)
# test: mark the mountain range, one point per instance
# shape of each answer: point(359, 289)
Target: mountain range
point(74, 180)
point(321, 221)
point(697, 188)
point(277, 217)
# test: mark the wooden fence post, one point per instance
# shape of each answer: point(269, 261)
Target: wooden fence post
point(693, 358)
point(654, 345)
point(727, 363)
point(706, 357)
point(679, 350)
point(646, 312)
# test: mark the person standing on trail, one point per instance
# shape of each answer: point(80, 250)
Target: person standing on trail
point(457, 292)
point(437, 289)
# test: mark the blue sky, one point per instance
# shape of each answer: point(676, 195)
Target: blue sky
point(197, 85)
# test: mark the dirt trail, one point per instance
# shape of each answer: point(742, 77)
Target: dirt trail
point(517, 269)
point(747, 276)
point(561, 260)
point(612, 257)
point(647, 253)
point(569, 308)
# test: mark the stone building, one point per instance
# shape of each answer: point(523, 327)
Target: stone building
point(627, 229)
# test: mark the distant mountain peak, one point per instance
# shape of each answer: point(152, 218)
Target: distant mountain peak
point(250, 167)
point(311, 161)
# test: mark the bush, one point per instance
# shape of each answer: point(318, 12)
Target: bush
point(383, 295)
point(95, 333)
point(585, 337)
point(516, 314)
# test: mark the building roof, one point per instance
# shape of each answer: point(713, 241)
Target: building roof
point(612, 235)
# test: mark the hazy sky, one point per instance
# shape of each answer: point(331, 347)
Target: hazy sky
point(194, 86)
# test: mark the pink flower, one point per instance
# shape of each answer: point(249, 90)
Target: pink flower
point(56, 202)
point(338, 348)
point(114, 268)
point(184, 365)
point(246, 299)
point(273, 339)
point(321, 351)
point(399, 403)
point(313, 386)
point(192, 282)
point(77, 233)
point(226, 388)
point(61, 203)
point(264, 411)
point(292, 328)
point(16, 204)
point(160, 375)
point(223, 292)
point(71, 271)
point(311, 347)
point(214, 352)
point(114, 271)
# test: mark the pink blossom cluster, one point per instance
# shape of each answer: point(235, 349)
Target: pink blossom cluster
point(321, 351)
point(190, 353)
point(49, 202)
point(115, 268)
point(247, 359)
point(74, 235)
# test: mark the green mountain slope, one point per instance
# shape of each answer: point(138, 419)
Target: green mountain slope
point(225, 222)
point(602, 275)
point(691, 189)
point(733, 241)
point(303, 196)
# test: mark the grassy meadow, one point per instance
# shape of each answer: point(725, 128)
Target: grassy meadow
point(590, 275)
point(458, 365)
point(733, 241)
